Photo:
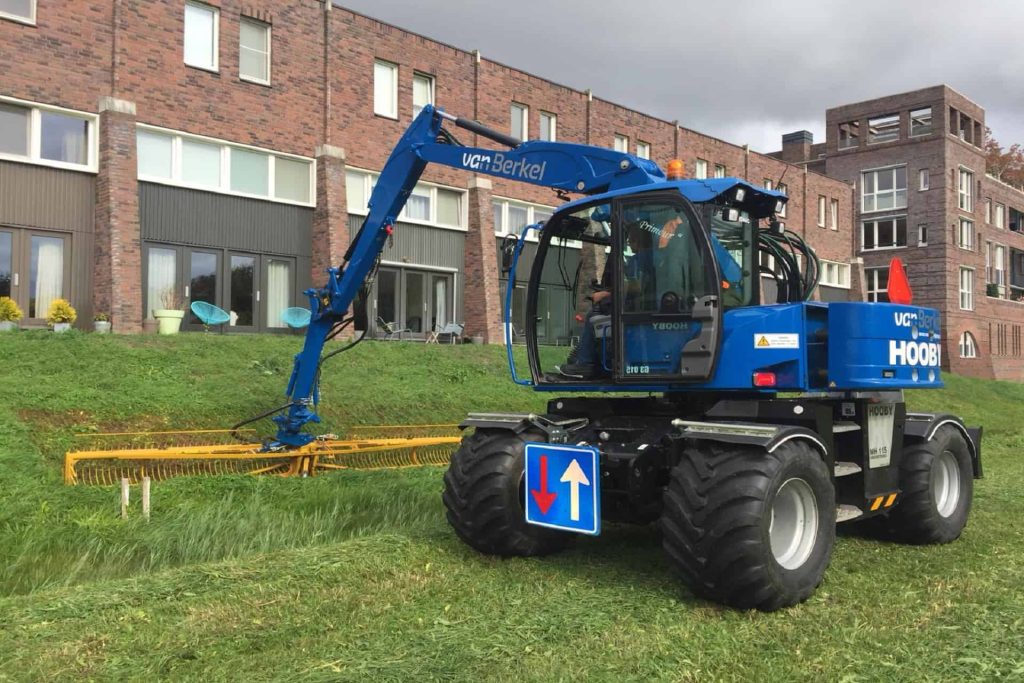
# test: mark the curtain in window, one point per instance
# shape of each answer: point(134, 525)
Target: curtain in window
point(162, 272)
point(279, 294)
point(417, 207)
point(440, 303)
point(49, 272)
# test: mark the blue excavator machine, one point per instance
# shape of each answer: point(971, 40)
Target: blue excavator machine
point(746, 429)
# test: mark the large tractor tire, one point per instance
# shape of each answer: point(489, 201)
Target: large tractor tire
point(748, 528)
point(937, 484)
point(484, 493)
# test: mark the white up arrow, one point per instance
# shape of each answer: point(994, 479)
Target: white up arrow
point(575, 476)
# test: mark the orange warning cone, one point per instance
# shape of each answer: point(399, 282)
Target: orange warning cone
point(899, 287)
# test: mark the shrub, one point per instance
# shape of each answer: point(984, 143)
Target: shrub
point(61, 311)
point(170, 300)
point(101, 318)
point(9, 310)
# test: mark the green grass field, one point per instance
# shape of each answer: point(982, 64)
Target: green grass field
point(356, 575)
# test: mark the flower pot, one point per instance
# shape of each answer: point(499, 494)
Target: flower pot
point(8, 325)
point(168, 321)
point(478, 339)
point(61, 327)
point(149, 326)
point(101, 326)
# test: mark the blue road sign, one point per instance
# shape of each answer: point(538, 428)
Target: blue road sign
point(563, 487)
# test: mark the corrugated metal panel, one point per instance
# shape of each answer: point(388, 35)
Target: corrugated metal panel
point(40, 197)
point(421, 245)
point(194, 217)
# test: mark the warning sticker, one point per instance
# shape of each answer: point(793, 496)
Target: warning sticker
point(776, 341)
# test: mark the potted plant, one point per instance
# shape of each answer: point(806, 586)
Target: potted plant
point(169, 317)
point(61, 315)
point(10, 314)
point(101, 323)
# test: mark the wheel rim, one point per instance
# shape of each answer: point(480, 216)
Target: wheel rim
point(946, 483)
point(794, 523)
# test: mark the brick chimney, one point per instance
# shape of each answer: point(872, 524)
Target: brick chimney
point(796, 147)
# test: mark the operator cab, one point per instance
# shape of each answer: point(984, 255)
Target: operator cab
point(653, 275)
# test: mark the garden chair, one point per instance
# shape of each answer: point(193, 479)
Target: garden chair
point(209, 314)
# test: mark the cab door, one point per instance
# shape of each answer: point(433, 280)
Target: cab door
point(667, 302)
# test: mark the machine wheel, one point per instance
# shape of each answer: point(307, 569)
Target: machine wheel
point(937, 479)
point(484, 494)
point(748, 528)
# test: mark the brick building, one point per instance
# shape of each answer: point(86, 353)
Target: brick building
point(922, 193)
point(154, 153)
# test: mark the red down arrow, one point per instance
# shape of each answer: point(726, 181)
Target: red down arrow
point(544, 498)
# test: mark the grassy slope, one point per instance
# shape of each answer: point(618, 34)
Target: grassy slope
point(356, 575)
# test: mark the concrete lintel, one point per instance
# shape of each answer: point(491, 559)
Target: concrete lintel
point(330, 151)
point(117, 106)
point(478, 183)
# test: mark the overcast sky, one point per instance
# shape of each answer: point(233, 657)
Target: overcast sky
point(744, 70)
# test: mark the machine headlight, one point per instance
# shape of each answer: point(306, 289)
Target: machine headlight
point(741, 194)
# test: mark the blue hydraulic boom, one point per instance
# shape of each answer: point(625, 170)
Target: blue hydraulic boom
point(569, 167)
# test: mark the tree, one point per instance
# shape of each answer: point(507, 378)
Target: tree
point(1006, 165)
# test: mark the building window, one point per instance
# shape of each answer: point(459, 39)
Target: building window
point(965, 234)
point(422, 92)
point(995, 269)
point(19, 10)
point(254, 51)
point(1000, 216)
point(701, 169)
point(201, 29)
point(822, 208)
point(920, 121)
point(781, 187)
point(885, 128)
point(47, 135)
point(965, 191)
point(922, 235)
point(189, 161)
point(427, 203)
point(385, 89)
point(834, 215)
point(510, 217)
point(719, 171)
point(968, 347)
point(768, 184)
point(519, 126)
point(966, 289)
point(988, 211)
point(835, 274)
point(849, 134)
point(923, 179)
point(877, 280)
point(884, 233)
point(884, 189)
point(548, 126)
point(643, 149)
point(621, 143)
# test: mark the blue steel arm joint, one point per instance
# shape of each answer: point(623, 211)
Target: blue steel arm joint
point(562, 166)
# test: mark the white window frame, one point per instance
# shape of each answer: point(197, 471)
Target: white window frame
point(270, 42)
point(841, 270)
point(988, 211)
point(968, 345)
point(370, 180)
point(923, 179)
point(530, 219)
point(871, 283)
point(999, 267)
point(35, 136)
point(215, 68)
point(965, 197)
point(700, 169)
point(873, 222)
point(431, 83)
point(968, 244)
point(643, 149)
point(833, 214)
point(784, 189)
point(176, 179)
point(621, 143)
point(822, 208)
point(393, 113)
point(553, 126)
point(720, 170)
point(31, 20)
point(1000, 216)
point(922, 234)
point(966, 294)
point(524, 119)
point(895, 190)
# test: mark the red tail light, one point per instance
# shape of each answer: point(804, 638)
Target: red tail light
point(764, 379)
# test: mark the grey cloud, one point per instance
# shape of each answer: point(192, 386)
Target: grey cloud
point(746, 70)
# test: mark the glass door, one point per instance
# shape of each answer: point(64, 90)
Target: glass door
point(386, 302)
point(203, 283)
point(49, 271)
point(243, 293)
point(277, 294)
point(7, 284)
point(162, 278)
point(415, 303)
point(440, 302)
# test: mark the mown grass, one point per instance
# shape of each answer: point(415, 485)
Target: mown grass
point(356, 576)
